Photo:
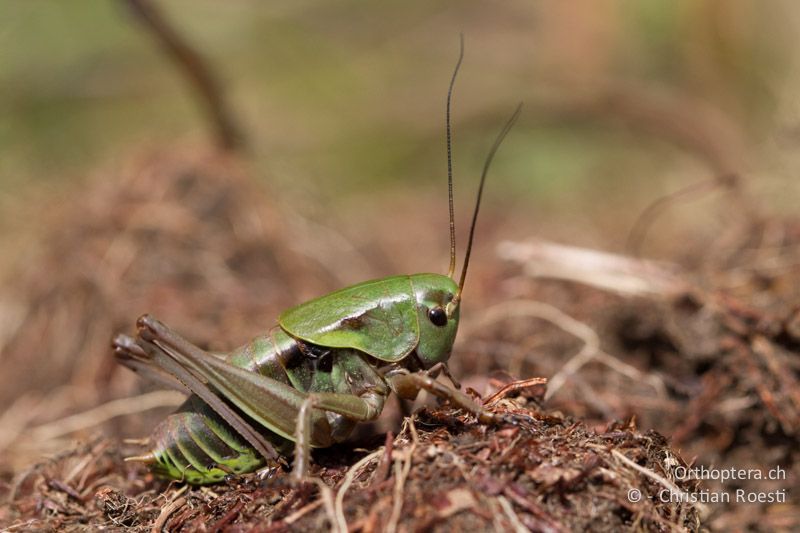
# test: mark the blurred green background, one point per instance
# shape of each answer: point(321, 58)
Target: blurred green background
point(625, 100)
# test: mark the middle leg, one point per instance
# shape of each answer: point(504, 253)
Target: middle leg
point(356, 408)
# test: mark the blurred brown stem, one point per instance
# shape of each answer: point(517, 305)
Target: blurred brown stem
point(647, 217)
point(195, 68)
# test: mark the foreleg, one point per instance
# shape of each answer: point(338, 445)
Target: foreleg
point(408, 386)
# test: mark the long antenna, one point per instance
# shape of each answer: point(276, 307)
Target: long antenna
point(452, 269)
point(495, 146)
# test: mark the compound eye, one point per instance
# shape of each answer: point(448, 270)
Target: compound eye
point(437, 316)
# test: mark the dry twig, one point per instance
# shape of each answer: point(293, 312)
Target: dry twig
point(514, 386)
point(166, 512)
point(195, 68)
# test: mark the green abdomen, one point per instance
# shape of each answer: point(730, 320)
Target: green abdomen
point(195, 445)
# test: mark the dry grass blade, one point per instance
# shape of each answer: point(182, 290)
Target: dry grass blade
point(15, 419)
point(508, 509)
point(611, 272)
point(405, 456)
point(98, 415)
point(300, 513)
point(352, 473)
point(326, 496)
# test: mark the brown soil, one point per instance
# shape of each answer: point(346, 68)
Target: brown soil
point(442, 472)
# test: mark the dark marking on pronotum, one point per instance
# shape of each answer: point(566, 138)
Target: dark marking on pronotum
point(353, 322)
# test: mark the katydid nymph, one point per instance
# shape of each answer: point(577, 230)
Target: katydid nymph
point(327, 365)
